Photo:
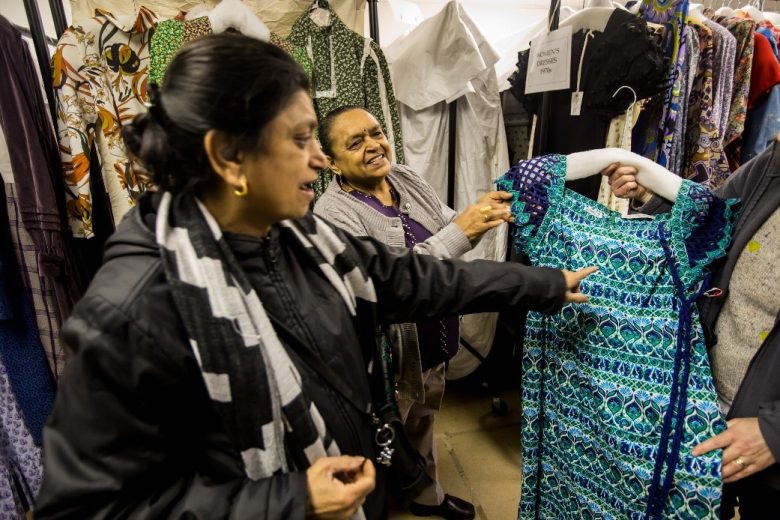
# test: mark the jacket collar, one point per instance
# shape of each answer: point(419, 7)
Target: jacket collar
point(141, 22)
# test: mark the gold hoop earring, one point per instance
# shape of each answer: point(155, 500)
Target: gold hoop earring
point(243, 190)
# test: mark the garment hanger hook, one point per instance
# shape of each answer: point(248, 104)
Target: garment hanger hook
point(629, 88)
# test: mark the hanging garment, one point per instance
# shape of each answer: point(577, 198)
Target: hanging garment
point(764, 31)
point(672, 14)
point(765, 71)
point(723, 74)
point(625, 54)
point(38, 288)
point(171, 35)
point(21, 471)
point(616, 392)
point(763, 124)
point(278, 15)
point(705, 159)
point(20, 346)
point(349, 69)
point(743, 30)
point(100, 74)
point(468, 78)
point(34, 166)
point(677, 153)
point(618, 136)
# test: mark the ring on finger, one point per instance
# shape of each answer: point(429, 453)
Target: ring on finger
point(485, 209)
point(487, 217)
point(741, 463)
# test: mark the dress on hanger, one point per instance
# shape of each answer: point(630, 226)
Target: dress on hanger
point(21, 469)
point(723, 74)
point(659, 140)
point(349, 69)
point(171, 35)
point(100, 71)
point(743, 30)
point(604, 383)
point(425, 57)
point(705, 159)
point(625, 54)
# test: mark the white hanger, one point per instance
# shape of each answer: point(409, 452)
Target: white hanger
point(696, 13)
point(318, 14)
point(772, 17)
point(197, 11)
point(599, 3)
point(590, 18)
point(233, 14)
point(726, 11)
point(753, 12)
point(651, 175)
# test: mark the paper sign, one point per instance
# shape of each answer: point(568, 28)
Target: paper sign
point(549, 62)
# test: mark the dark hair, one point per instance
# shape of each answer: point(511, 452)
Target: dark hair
point(326, 126)
point(226, 82)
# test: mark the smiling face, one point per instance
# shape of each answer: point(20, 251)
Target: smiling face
point(280, 175)
point(361, 152)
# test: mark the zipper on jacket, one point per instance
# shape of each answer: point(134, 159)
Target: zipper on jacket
point(288, 301)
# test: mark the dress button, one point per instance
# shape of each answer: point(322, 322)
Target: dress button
point(407, 207)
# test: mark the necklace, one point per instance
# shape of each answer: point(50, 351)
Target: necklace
point(411, 240)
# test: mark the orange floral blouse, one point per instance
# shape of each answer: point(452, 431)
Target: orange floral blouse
point(100, 71)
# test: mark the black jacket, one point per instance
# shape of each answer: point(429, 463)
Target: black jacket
point(133, 433)
point(757, 183)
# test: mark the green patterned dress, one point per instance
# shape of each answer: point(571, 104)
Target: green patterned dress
point(616, 392)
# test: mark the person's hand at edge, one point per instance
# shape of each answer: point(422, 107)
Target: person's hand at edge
point(338, 486)
point(572, 280)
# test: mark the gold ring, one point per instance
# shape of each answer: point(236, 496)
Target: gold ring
point(485, 209)
point(487, 217)
point(741, 463)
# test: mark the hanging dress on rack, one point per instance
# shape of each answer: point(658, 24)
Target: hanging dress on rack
point(624, 54)
point(660, 130)
point(616, 392)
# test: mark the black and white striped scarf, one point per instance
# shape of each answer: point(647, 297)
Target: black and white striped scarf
point(251, 379)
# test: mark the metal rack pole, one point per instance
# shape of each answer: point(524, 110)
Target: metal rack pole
point(544, 114)
point(451, 149)
point(41, 51)
point(58, 15)
point(373, 20)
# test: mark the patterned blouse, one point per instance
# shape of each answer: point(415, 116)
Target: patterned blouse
point(706, 160)
point(349, 69)
point(671, 13)
point(171, 35)
point(100, 71)
point(604, 382)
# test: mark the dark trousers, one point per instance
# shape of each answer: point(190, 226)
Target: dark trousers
point(756, 501)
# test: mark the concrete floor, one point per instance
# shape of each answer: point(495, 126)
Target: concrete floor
point(479, 454)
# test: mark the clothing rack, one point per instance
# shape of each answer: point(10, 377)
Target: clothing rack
point(41, 43)
point(544, 115)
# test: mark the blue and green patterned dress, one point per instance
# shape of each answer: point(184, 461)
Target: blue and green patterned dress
point(616, 392)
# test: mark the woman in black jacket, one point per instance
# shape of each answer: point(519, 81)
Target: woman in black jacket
point(219, 362)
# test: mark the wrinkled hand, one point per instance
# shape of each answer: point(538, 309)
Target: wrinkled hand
point(338, 486)
point(622, 180)
point(743, 442)
point(488, 212)
point(572, 280)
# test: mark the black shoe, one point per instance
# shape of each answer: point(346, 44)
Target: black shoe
point(452, 508)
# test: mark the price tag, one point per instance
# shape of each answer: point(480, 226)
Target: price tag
point(576, 103)
point(549, 62)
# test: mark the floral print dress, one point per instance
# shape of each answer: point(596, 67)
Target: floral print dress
point(100, 71)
